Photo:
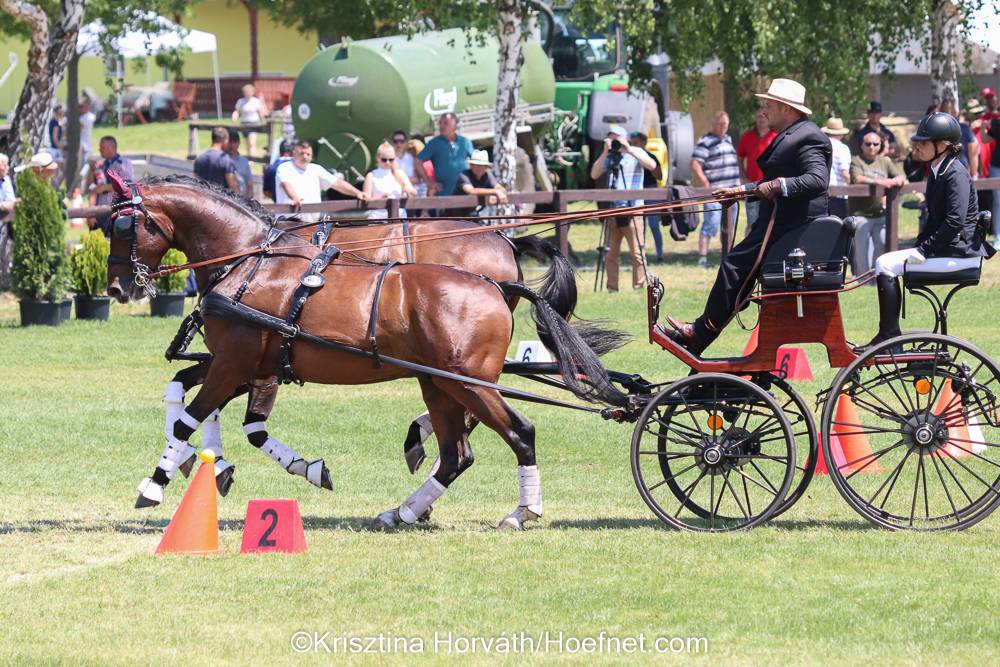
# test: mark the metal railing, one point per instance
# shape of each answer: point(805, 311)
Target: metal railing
point(559, 201)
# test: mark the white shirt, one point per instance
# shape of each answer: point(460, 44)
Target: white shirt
point(384, 184)
point(86, 132)
point(250, 110)
point(841, 162)
point(308, 183)
point(406, 164)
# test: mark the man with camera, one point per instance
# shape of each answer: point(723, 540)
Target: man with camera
point(625, 166)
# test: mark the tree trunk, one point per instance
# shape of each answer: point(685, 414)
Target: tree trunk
point(944, 46)
point(72, 163)
point(48, 55)
point(510, 25)
point(254, 51)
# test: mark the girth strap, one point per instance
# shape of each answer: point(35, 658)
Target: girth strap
point(373, 319)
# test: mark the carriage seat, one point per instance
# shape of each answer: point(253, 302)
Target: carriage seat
point(916, 276)
point(826, 242)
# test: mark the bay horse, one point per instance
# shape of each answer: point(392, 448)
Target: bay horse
point(435, 316)
point(489, 254)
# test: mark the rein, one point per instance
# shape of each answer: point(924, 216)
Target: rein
point(523, 220)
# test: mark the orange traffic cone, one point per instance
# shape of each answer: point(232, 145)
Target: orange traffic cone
point(194, 529)
point(847, 438)
point(752, 343)
point(960, 440)
point(821, 467)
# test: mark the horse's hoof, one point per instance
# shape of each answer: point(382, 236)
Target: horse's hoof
point(426, 516)
point(224, 476)
point(150, 494)
point(386, 521)
point(188, 465)
point(517, 519)
point(325, 481)
point(319, 475)
point(414, 458)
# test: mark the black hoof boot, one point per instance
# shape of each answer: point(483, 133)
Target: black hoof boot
point(224, 480)
point(415, 457)
point(325, 481)
point(187, 466)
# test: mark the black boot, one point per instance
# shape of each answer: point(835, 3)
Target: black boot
point(890, 299)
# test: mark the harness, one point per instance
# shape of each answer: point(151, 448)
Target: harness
point(125, 227)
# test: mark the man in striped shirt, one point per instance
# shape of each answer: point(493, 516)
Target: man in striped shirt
point(715, 165)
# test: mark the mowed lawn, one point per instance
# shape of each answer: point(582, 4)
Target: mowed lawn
point(81, 424)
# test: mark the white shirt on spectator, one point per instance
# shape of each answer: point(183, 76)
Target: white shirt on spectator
point(250, 110)
point(841, 163)
point(406, 164)
point(86, 133)
point(385, 185)
point(308, 183)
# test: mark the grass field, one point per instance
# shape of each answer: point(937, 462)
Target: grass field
point(81, 424)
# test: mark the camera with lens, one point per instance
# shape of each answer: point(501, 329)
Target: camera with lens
point(616, 145)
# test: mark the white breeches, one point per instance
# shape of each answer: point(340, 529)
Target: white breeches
point(892, 263)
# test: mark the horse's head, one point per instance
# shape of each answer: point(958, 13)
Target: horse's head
point(139, 239)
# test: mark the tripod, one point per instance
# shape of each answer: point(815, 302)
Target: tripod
point(615, 176)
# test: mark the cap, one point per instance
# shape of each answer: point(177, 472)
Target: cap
point(618, 129)
point(875, 107)
point(989, 92)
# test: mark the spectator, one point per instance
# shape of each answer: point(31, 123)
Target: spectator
point(285, 149)
point(840, 169)
point(299, 181)
point(250, 110)
point(889, 146)
point(99, 186)
point(45, 166)
point(992, 105)
point(57, 137)
point(404, 159)
point(448, 152)
point(241, 166)
point(651, 179)
point(969, 157)
point(479, 181)
point(215, 165)
point(624, 165)
point(973, 113)
point(994, 134)
point(387, 181)
point(420, 181)
point(872, 167)
point(714, 165)
point(750, 147)
point(87, 120)
point(7, 197)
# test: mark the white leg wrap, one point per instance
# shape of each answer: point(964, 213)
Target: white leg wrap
point(314, 472)
point(423, 422)
point(151, 491)
point(282, 454)
point(211, 434)
point(173, 396)
point(531, 488)
point(174, 454)
point(422, 498)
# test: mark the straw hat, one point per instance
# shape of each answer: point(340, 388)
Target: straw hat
point(787, 92)
point(974, 107)
point(480, 158)
point(43, 160)
point(835, 127)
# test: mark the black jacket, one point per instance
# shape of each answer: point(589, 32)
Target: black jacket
point(952, 212)
point(802, 155)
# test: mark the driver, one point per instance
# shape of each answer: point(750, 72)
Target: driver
point(796, 169)
point(951, 240)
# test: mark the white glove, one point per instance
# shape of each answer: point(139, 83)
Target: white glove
point(916, 257)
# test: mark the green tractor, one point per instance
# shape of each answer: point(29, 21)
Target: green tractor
point(351, 96)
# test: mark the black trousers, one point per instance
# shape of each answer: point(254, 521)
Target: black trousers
point(736, 277)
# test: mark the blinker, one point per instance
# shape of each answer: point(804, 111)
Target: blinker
point(122, 227)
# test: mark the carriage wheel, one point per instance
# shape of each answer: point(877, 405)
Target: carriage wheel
point(927, 405)
point(713, 452)
point(800, 418)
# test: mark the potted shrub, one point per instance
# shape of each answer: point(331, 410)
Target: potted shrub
point(89, 269)
point(169, 299)
point(39, 270)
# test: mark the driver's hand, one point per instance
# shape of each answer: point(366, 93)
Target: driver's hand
point(769, 189)
point(728, 192)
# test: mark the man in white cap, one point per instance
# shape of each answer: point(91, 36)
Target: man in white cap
point(796, 168)
point(624, 165)
point(840, 172)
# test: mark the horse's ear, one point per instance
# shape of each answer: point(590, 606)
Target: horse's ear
point(120, 186)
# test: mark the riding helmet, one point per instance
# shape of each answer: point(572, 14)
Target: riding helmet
point(938, 126)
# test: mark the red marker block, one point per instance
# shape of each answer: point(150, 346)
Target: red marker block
point(273, 525)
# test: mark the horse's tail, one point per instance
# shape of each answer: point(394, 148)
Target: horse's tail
point(574, 356)
point(558, 284)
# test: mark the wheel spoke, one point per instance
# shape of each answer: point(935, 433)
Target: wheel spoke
point(892, 476)
point(753, 481)
point(916, 483)
point(969, 470)
point(874, 457)
point(687, 493)
point(944, 463)
point(947, 493)
point(725, 482)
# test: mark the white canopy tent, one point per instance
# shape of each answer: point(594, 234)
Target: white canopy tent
point(136, 44)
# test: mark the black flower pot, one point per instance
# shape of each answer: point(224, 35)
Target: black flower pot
point(92, 307)
point(48, 313)
point(167, 304)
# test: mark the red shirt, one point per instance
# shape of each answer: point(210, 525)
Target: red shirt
point(986, 148)
point(750, 147)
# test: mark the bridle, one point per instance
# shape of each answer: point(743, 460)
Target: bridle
point(125, 227)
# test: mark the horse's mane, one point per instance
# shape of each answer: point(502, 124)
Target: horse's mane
point(252, 206)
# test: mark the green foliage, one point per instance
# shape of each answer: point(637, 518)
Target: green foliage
point(89, 265)
point(39, 267)
point(175, 281)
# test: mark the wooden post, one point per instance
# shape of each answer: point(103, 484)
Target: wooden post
point(192, 141)
point(891, 219)
point(562, 231)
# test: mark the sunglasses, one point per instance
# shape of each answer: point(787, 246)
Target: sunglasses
point(387, 159)
point(873, 143)
point(399, 141)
